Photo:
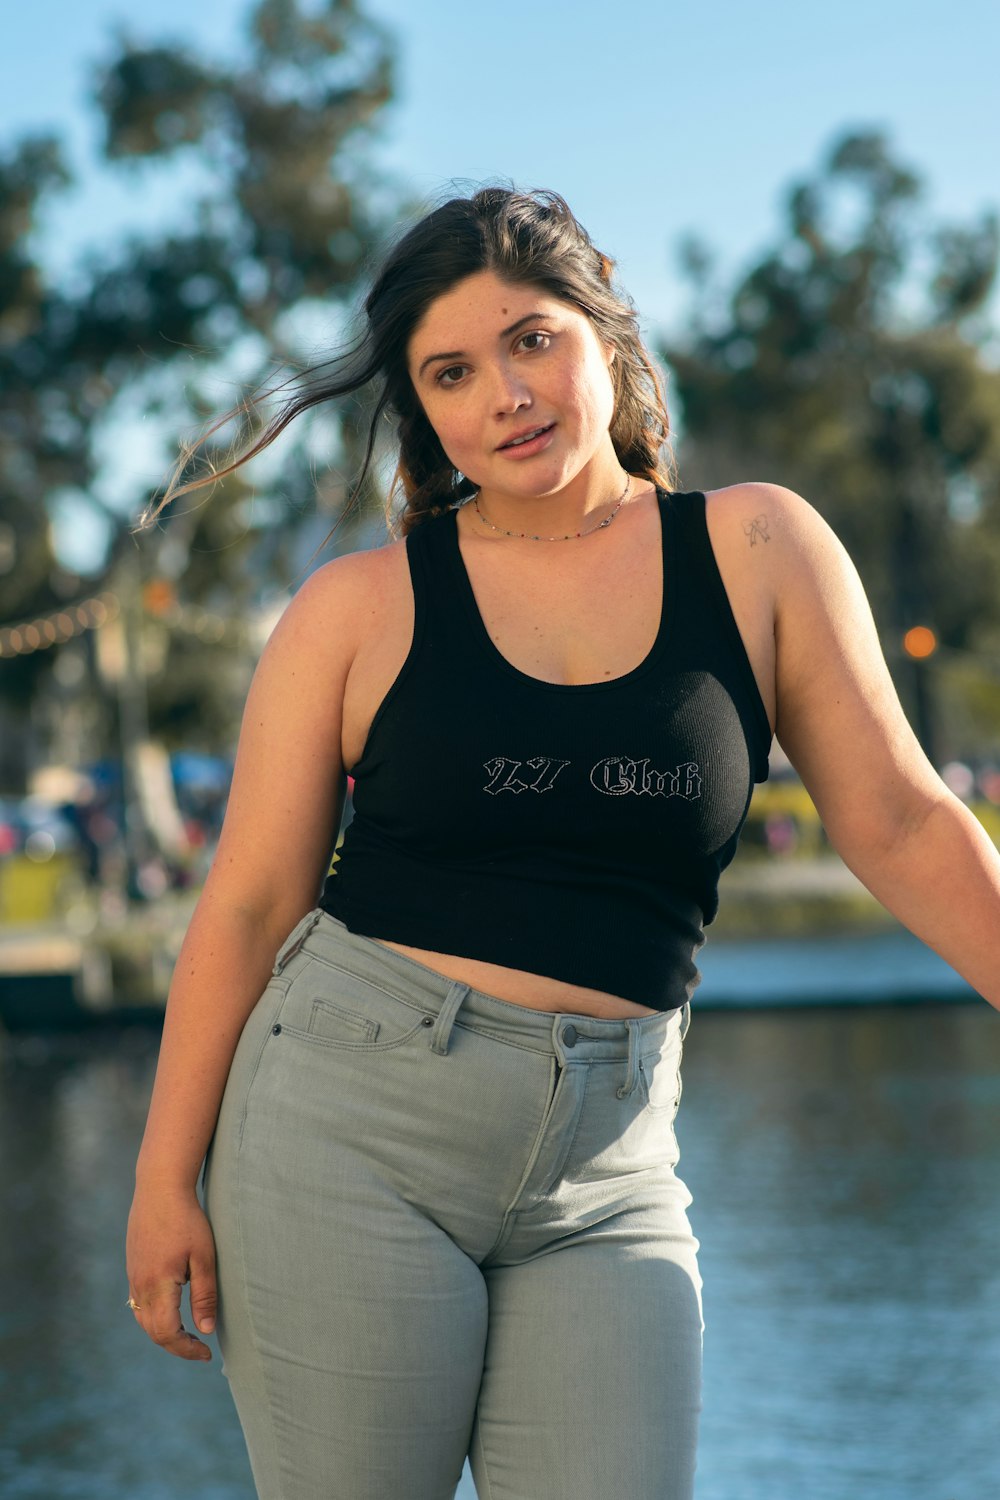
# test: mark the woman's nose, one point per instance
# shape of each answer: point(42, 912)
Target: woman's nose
point(510, 391)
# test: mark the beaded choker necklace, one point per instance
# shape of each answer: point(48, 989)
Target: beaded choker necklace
point(571, 535)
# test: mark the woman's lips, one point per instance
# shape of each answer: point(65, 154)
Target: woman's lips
point(533, 445)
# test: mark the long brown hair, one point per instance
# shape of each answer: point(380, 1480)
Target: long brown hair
point(522, 237)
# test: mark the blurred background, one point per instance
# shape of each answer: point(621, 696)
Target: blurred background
point(804, 206)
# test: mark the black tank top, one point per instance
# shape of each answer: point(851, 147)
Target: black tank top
point(575, 831)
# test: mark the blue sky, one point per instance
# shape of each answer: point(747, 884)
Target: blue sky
point(650, 116)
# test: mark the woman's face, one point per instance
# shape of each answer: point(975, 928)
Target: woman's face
point(494, 361)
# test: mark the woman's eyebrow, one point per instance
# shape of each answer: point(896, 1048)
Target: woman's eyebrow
point(532, 317)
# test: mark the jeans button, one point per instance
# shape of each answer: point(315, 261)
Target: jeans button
point(569, 1036)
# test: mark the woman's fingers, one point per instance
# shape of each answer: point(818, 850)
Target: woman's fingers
point(203, 1289)
point(170, 1242)
point(158, 1311)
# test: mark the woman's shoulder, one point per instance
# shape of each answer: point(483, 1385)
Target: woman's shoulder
point(781, 566)
point(353, 576)
point(775, 543)
point(334, 607)
point(755, 500)
point(770, 524)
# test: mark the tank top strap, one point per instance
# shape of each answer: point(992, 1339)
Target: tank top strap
point(693, 559)
point(438, 583)
point(703, 610)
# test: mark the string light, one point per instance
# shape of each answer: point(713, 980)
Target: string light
point(44, 631)
point(192, 620)
point(55, 629)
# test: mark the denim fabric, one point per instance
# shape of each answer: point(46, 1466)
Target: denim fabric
point(448, 1225)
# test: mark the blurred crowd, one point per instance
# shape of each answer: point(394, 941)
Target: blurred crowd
point(72, 833)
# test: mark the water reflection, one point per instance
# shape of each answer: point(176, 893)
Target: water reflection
point(845, 1167)
point(90, 1411)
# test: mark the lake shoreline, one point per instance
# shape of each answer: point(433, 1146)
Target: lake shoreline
point(789, 932)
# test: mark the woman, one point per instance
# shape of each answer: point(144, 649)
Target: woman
point(435, 1092)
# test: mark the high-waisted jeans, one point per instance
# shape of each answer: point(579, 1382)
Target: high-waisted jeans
point(448, 1225)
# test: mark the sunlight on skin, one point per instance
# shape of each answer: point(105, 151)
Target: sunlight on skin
point(491, 361)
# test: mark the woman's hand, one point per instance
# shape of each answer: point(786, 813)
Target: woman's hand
point(170, 1242)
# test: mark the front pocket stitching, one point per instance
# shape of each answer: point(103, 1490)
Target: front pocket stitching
point(370, 1028)
point(563, 1161)
point(658, 1109)
point(361, 978)
point(323, 1041)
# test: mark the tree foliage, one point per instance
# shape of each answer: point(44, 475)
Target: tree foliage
point(291, 209)
point(39, 450)
point(841, 367)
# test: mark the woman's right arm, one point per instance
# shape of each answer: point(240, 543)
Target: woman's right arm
point(274, 850)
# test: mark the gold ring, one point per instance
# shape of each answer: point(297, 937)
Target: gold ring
point(133, 1304)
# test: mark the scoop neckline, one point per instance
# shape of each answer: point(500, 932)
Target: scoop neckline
point(493, 653)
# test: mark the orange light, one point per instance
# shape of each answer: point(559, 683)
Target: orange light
point(158, 596)
point(920, 642)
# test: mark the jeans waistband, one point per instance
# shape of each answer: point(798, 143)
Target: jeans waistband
point(572, 1037)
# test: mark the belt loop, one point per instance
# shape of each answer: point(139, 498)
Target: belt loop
point(446, 1015)
point(632, 1074)
point(293, 942)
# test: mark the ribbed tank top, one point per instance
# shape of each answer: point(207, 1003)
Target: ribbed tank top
point(575, 831)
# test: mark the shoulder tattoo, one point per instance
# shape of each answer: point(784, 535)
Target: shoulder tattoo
point(756, 530)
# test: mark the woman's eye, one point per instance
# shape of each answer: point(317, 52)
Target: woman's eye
point(452, 370)
point(542, 341)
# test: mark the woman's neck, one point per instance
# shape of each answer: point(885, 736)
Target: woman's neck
point(580, 506)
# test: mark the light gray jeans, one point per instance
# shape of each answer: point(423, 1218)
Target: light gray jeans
point(448, 1225)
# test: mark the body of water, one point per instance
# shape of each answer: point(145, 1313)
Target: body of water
point(845, 1167)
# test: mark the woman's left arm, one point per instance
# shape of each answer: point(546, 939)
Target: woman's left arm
point(889, 815)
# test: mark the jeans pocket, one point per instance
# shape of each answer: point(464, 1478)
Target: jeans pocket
point(660, 1074)
point(332, 1006)
point(329, 1022)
